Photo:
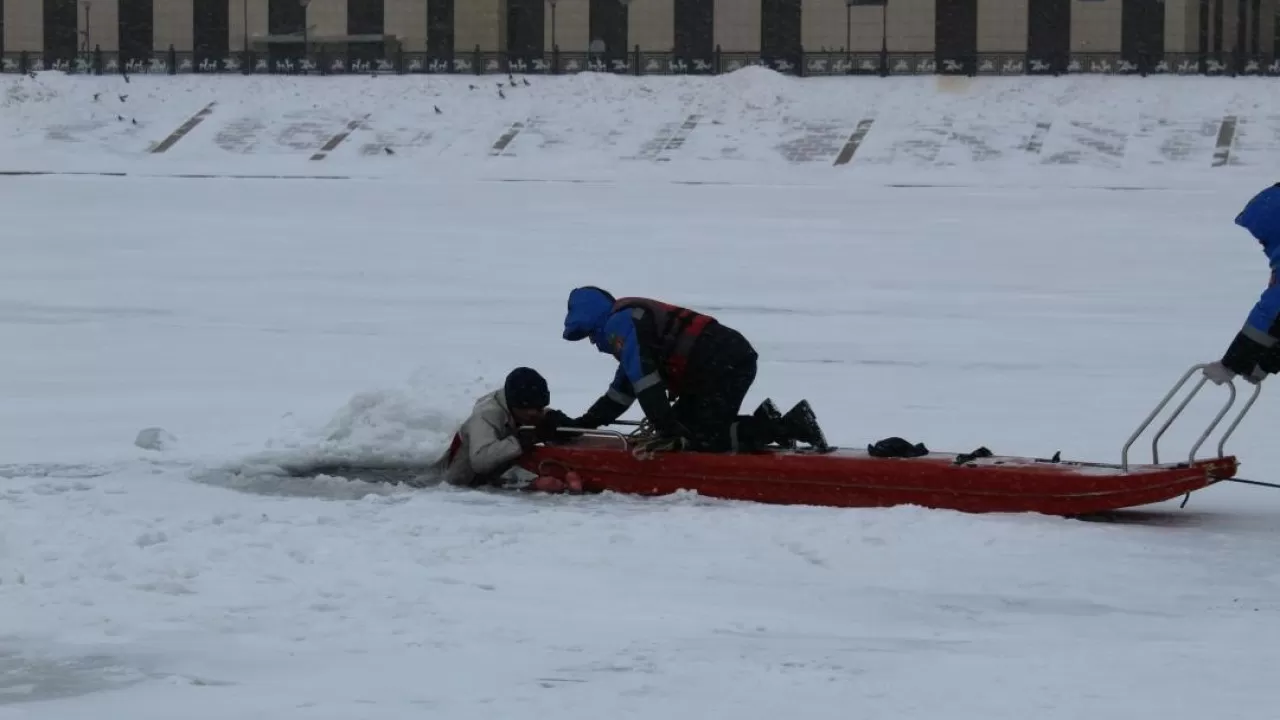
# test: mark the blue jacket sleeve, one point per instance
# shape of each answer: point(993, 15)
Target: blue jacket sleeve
point(621, 393)
point(1264, 319)
point(610, 406)
point(641, 370)
point(620, 389)
point(620, 333)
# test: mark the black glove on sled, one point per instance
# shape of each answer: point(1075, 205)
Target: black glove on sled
point(1244, 354)
point(528, 438)
point(653, 400)
point(548, 427)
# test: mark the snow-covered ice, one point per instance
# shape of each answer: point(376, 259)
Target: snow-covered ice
point(169, 344)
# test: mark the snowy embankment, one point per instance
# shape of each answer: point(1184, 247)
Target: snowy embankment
point(752, 125)
point(168, 345)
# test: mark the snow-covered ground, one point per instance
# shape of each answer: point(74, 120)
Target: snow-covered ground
point(259, 322)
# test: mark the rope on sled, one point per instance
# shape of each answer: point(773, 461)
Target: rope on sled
point(648, 442)
point(644, 430)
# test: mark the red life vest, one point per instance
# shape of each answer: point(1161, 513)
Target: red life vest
point(676, 330)
point(454, 447)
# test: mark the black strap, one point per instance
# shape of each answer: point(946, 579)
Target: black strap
point(981, 452)
point(896, 447)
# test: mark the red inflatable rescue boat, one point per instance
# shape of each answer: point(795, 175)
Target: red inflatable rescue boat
point(608, 460)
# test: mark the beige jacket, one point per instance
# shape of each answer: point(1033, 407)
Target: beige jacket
point(486, 447)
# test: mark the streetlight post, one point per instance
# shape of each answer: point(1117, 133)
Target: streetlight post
point(848, 28)
point(626, 13)
point(553, 23)
point(88, 33)
point(884, 39)
point(306, 44)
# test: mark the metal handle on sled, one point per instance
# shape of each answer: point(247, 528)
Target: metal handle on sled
point(1222, 443)
point(592, 432)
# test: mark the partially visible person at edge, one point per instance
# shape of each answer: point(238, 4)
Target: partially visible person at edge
point(486, 448)
point(1254, 353)
point(664, 350)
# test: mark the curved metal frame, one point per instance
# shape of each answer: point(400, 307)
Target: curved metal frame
point(1257, 390)
point(1155, 442)
point(626, 445)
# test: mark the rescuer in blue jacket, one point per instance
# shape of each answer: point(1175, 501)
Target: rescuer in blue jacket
point(1255, 351)
point(666, 352)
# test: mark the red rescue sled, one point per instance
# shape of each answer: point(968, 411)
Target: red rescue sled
point(607, 460)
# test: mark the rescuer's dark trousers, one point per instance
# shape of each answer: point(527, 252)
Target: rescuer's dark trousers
point(722, 368)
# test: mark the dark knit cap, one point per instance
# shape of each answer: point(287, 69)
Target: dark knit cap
point(525, 389)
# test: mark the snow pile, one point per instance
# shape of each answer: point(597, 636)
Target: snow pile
point(23, 89)
point(599, 90)
point(758, 88)
point(155, 438)
point(394, 427)
point(379, 428)
point(389, 425)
